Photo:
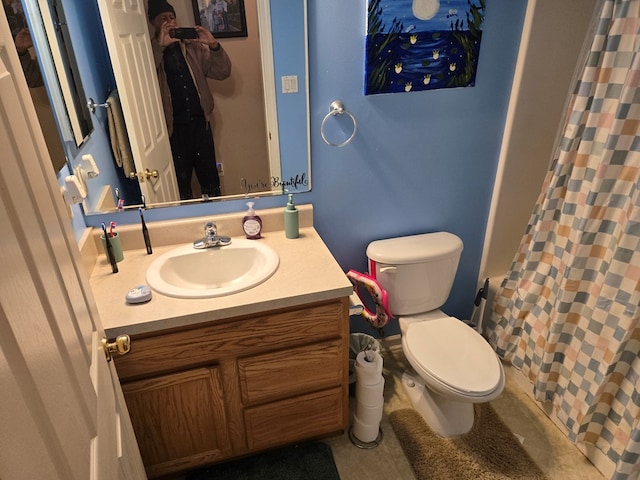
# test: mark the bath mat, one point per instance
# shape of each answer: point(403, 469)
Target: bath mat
point(488, 451)
point(311, 461)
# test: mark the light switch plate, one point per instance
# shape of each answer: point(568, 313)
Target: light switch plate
point(290, 84)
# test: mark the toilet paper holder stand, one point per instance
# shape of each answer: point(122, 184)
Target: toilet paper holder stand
point(365, 445)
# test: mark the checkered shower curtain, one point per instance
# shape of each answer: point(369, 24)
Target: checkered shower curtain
point(567, 314)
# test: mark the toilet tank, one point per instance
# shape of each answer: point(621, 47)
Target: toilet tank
point(417, 271)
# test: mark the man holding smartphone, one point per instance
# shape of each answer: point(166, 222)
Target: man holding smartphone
point(184, 64)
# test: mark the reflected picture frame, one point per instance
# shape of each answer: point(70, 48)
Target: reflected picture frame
point(223, 18)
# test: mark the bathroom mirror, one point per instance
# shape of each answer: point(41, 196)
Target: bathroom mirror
point(52, 74)
point(277, 33)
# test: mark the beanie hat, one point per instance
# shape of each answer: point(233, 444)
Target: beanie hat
point(156, 7)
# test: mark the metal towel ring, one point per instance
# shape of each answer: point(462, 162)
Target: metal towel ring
point(337, 108)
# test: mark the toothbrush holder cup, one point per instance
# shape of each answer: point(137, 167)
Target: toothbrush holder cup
point(116, 246)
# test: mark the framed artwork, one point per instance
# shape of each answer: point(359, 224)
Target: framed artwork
point(223, 18)
point(415, 45)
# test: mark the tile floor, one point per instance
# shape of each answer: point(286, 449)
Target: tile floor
point(556, 456)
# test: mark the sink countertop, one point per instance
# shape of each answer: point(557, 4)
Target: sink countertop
point(307, 273)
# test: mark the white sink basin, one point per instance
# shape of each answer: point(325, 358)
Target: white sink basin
point(186, 272)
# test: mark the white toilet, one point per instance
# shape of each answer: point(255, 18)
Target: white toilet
point(453, 366)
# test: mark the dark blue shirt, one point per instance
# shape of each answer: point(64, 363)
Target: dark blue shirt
point(184, 95)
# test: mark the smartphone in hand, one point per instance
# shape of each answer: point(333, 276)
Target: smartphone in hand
point(183, 33)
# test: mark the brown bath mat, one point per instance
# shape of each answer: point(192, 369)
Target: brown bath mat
point(489, 451)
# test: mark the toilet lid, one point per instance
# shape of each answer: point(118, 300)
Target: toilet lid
point(454, 354)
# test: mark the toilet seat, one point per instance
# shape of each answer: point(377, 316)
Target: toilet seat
point(454, 357)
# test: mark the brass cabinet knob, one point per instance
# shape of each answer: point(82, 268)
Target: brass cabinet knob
point(121, 345)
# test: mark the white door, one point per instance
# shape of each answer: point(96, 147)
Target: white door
point(62, 411)
point(127, 34)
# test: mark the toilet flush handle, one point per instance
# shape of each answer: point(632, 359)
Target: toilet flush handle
point(390, 269)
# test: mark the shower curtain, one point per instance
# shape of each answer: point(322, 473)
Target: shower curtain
point(567, 314)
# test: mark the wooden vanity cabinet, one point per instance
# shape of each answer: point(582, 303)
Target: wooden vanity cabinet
point(215, 391)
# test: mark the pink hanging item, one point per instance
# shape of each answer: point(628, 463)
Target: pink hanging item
point(381, 316)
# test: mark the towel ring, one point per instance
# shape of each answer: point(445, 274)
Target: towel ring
point(337, 108)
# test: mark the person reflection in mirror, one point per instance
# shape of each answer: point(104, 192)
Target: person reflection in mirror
point(183, 67)
point(22, 39)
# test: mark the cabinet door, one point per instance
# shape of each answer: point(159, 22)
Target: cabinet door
point(179, 420)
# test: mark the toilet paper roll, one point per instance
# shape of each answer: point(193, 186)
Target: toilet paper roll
point(364, 432)
point(370, 395)
point(369, 415)
point(368, 372)
point(367, 377)
point(369, 360)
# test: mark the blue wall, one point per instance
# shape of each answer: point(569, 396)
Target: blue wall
point(420, 162)
point(91, 53)
point(97, 77)
point(292, 146)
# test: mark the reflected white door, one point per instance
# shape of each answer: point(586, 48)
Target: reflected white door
point(127, 34)
point(63, 415)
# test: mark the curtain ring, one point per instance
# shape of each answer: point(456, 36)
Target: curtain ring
point(337, 108)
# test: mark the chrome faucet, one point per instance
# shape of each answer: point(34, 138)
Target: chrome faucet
point(211, 238)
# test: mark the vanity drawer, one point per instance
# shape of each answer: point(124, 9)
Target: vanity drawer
point(233, 338)
point(295, 419)
point(291, 372)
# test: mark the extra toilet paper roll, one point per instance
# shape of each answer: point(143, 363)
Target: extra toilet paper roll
point(363, 431)
point(368, 367)
point(369, 415)
point(370, 395)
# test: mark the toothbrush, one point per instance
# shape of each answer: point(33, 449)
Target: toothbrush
point(145, 233)
point(110, 254)
point(120, 201)
point(112, 226)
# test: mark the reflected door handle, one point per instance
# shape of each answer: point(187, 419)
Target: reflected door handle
point(146, 175)
point(121, 345)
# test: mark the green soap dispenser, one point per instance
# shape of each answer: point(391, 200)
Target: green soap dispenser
point(291, 224)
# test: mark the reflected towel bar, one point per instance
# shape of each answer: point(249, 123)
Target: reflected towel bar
point(92, 105)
